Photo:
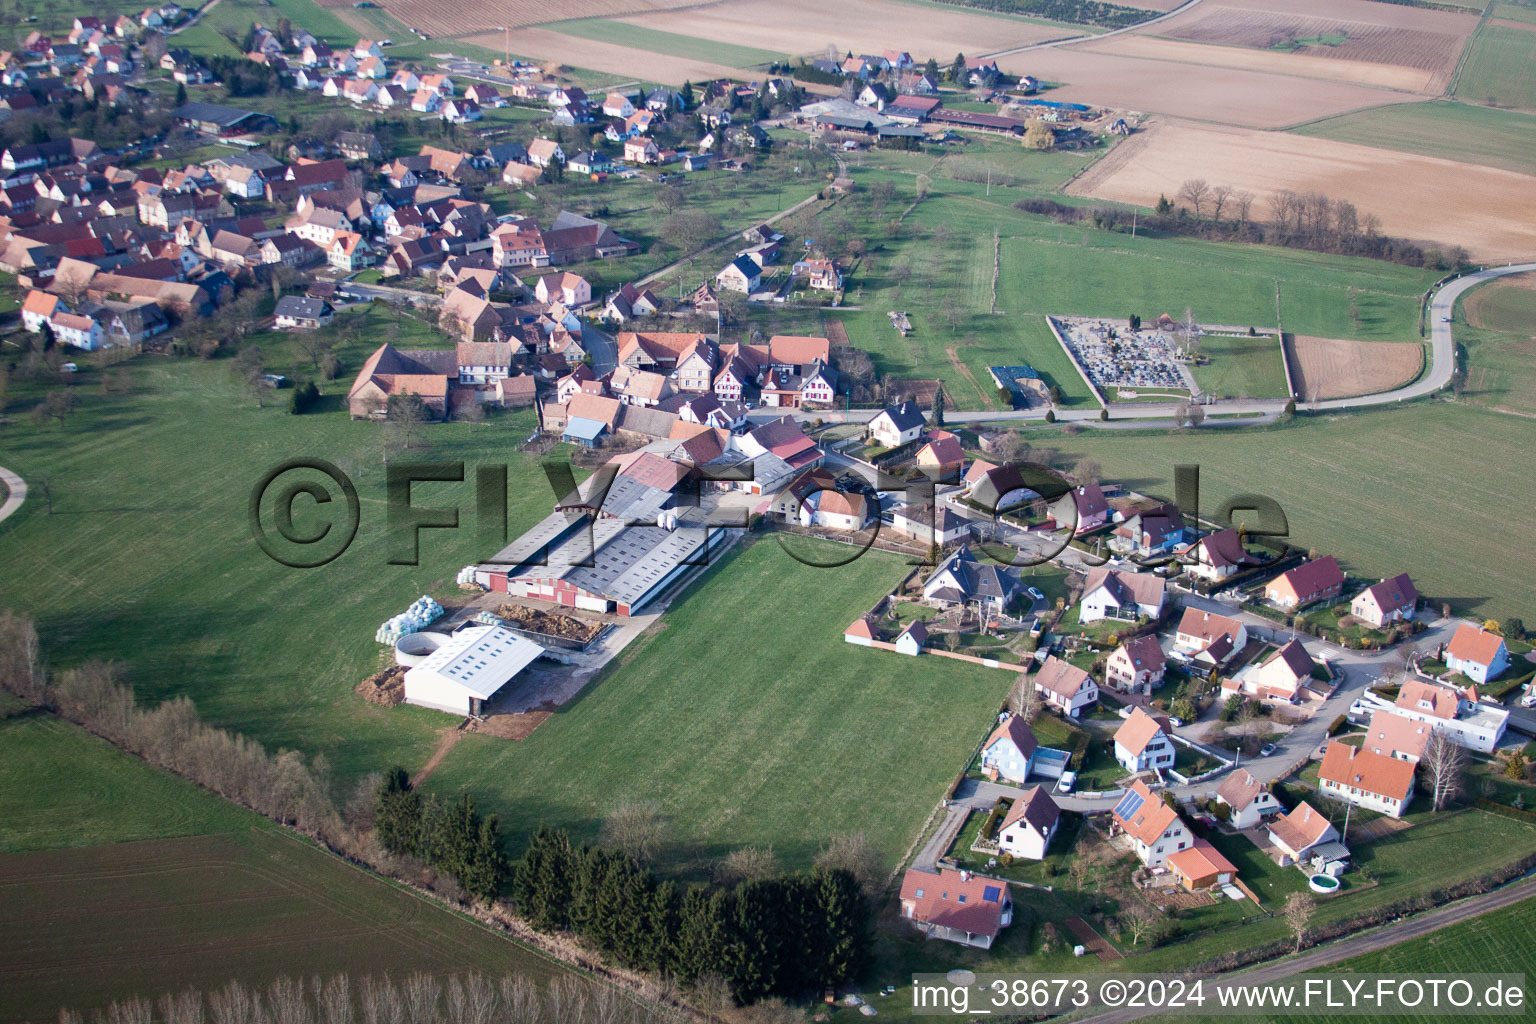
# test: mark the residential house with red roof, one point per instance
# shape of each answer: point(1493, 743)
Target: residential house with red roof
point(956, 906)
point(1147, 532)
point(1391, 600)
point(1206, 640)
point(1218, 556)
point(1085, 509)
point(1398, 736)
point(1320, 579)
point(1066, 687)
point(1248, 801)
point(1155, 829)
point(1125, 596)
point(1136, 666)
point(941, 456)
point(1459, 713)
point(835, 510)
point(1280, 677)
point(1377, 782)
point(1477, 653)
point(1294, 834)
point(1142, 743)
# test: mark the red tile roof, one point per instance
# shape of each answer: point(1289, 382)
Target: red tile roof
point(1137, 731)
point(1475, 644)
point(1300, 829)
point(1150, 819)
point(956, 899)
point(1200, 861)
point(1379, 774)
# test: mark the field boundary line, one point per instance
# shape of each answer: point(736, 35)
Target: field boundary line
point(1466, 51)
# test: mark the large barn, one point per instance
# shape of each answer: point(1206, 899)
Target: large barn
point(464, 673)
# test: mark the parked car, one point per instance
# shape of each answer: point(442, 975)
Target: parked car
point(1034, 592)
point(1267, 749)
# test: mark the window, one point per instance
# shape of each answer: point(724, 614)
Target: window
point(919, 894)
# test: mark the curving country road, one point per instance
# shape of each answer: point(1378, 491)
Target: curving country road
point(16, 493)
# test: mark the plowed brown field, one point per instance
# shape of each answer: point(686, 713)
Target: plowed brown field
point(1339, 368)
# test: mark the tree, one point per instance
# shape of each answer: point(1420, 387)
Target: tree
point(315, 345)
point(938, 407)
point(1189, 414)
point(1135, 321)
point(1182, 708)
point(1011, 446)
point(405, 415)
point(852, 852)
point(1038, 135)
point(248, 366)
point(1024, 698)
point(635, 826)
point(957, 70)
point(57, 405)
point(1087, 471)
point(397, 814)
point(1514, 768)
point(748, 864)
point(1194, 192)
point(1050, 415)
point(1298, 914)
point(1219, 196)
point(685, 96)
point(1442, 766)
point(1138, 919)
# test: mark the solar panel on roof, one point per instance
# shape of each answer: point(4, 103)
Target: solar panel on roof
point(991, 893)
point(1128, 805)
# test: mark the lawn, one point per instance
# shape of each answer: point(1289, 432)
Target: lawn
point(776, 732)
point(134, 882)
point(1453, 131)
point(1500, 70)
point(1500, 322)
point(1242, 368)
point(670, 44)
point(1392, 459)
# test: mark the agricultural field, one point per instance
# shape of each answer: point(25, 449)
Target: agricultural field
point(1453, 131)
point(1486, 210)
point(1422, 44)
point(438, 19)
point(808, 27)
point(1392, 458)
point(168, 886)
point(1500, 340)
point(1242, 368)
point(668, 44)
point(1500, 68)
point(1338, 368)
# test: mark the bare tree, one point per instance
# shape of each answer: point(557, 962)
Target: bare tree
point(1298, 914)
point(1219, 196)
point(1244, 201)
point(314, 344)
point(1189, 414)
point(1087, 471)
point(636, 827)
point(852, 852)
point(1138, 919)
point(1024, 698)
point(1442, 765)
point(1194, 192)
point(748, 864)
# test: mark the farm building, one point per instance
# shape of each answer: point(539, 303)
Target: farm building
point(468, 669)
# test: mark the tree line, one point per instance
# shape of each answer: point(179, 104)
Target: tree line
point(453, 838)
point(783, 934)
point(1297, 220)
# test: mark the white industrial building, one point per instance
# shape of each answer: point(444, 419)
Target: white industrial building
point(467, 670)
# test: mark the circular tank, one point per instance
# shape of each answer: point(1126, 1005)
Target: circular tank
point(1323, 883)
point(413, 648)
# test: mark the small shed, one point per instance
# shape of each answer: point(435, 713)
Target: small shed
point(584, 432)
point(912, 639)
point(1201, 867)
point(468, 670)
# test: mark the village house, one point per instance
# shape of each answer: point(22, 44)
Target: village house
point(1375, 781)
point(1477, 653)
point(1085, 508)
point(302, 311)
point(819, 274)
point(956, 906)
point(571, 290)
point(1136, 666)
point(1321, 579)
point(1125, 596)
point(1207, 641)
point(350, 251)
point(1461, 715)
point(1217, 556)
point(1280, 677)
point(996, 489)
point(1397, 736)
point(740, 275)
point(1065, 687)
point(1155, 829)
point(941, 456)
point(1391, 600)
point(835, 510)
point(1248, 801)
point(483, 362)
point(962, 579)
point(929, 524)
point(1029, 826)
point(1296, 834)
point(895, 425)
point(390, 371)
point(1142, 743)
point(1148, 532)
point(1010, 751)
